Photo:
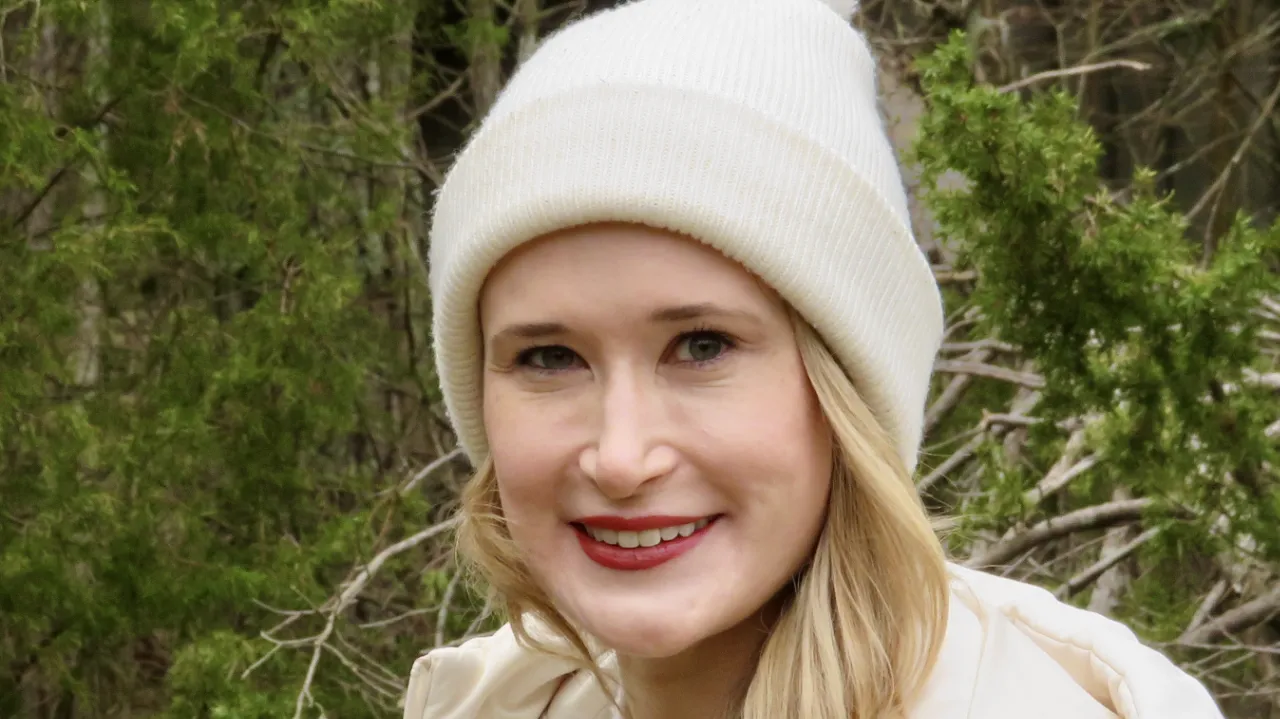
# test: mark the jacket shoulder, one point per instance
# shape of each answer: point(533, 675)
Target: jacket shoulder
point(498, 678)
point(1101, 655)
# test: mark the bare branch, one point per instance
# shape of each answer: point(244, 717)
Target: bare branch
point(350, 591)
point(1246, 615)
point(442, 617)
point(1270, 380)
point(987, 344)
point(429, 470)
point(1077, 70)
point(997, 424)
point(1215, 190)
point(1096, 517)
point(958, 458)
point(1079, 582)
point(990, 371)
point(949, 277)
point(1055, 481)
point(436, 101)
point(952, 393)
point(353, 588)
point(1009, 420)
point(1210, 603)
point(947, 401)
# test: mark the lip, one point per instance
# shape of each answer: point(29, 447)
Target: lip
point(639, 558)
point(638, 524)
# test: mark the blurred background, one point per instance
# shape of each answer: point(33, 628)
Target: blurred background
point(226, 479)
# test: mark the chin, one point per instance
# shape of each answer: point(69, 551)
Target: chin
point(646, 637)
point(646, 645)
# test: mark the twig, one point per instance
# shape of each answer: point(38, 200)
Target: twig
point(1215, 190)
point(1098, 516)
point(430, 469)
point(1002, 422)
point(996, 424)
point(353, 588)
point(389, 688)
point(1074, 471)
point(57, 176)
point(348, 594)
point(442, 617)
point(276, 646)
point(1272, 430)
point(1090, 575)
point(1009, 420)
point(1231, 621)
point(1253, 648)
point(394, 679)
point(947, 277)
point(1072, 71)
point(44, 191)
point(485, 612)
point(285, 142)
point(1053, 482)
point(1270, 380)
point(987, 344)
point(397, 618)
point(951, 394)
point(960, 320)
point(1062, 471)
point(449, 92)
point(947, 401)
point(304, 695)
point(990, 371)
point(959, 457)
point(1211, 602)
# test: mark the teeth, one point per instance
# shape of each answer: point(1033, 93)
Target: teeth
point(647, 538)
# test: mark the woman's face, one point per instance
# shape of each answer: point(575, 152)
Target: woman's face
point(662, 460)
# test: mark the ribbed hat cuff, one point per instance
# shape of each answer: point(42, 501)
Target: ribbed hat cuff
point(674, 160)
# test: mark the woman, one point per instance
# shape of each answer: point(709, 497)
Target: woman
point(685, 334)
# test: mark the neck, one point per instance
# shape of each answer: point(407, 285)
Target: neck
point(702, 681)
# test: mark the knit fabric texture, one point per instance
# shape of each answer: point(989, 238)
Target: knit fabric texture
point(750, 125)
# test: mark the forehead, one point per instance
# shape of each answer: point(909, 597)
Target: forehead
point(618, 266)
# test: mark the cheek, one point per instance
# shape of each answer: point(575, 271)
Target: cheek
point(527, 462)
point(803, 447)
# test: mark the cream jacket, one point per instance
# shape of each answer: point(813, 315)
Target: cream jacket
point(1012, 651)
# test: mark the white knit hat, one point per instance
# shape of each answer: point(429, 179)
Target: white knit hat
point(751, 125)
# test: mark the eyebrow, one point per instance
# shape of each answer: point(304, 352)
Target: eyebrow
point(678, 313)
point(681, 313)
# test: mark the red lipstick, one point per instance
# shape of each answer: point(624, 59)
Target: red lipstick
point(639, 558)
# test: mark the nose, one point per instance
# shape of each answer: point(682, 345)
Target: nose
point(629, 451)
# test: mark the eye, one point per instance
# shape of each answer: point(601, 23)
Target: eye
point(552, 358)
point(702, 346)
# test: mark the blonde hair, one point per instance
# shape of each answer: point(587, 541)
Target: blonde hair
point(862, 627)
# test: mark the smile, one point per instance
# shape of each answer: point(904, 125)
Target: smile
point(638, 544)
point(645, 538)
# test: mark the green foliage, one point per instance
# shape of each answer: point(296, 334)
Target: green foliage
point(1102, 292)
point(209, 295)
